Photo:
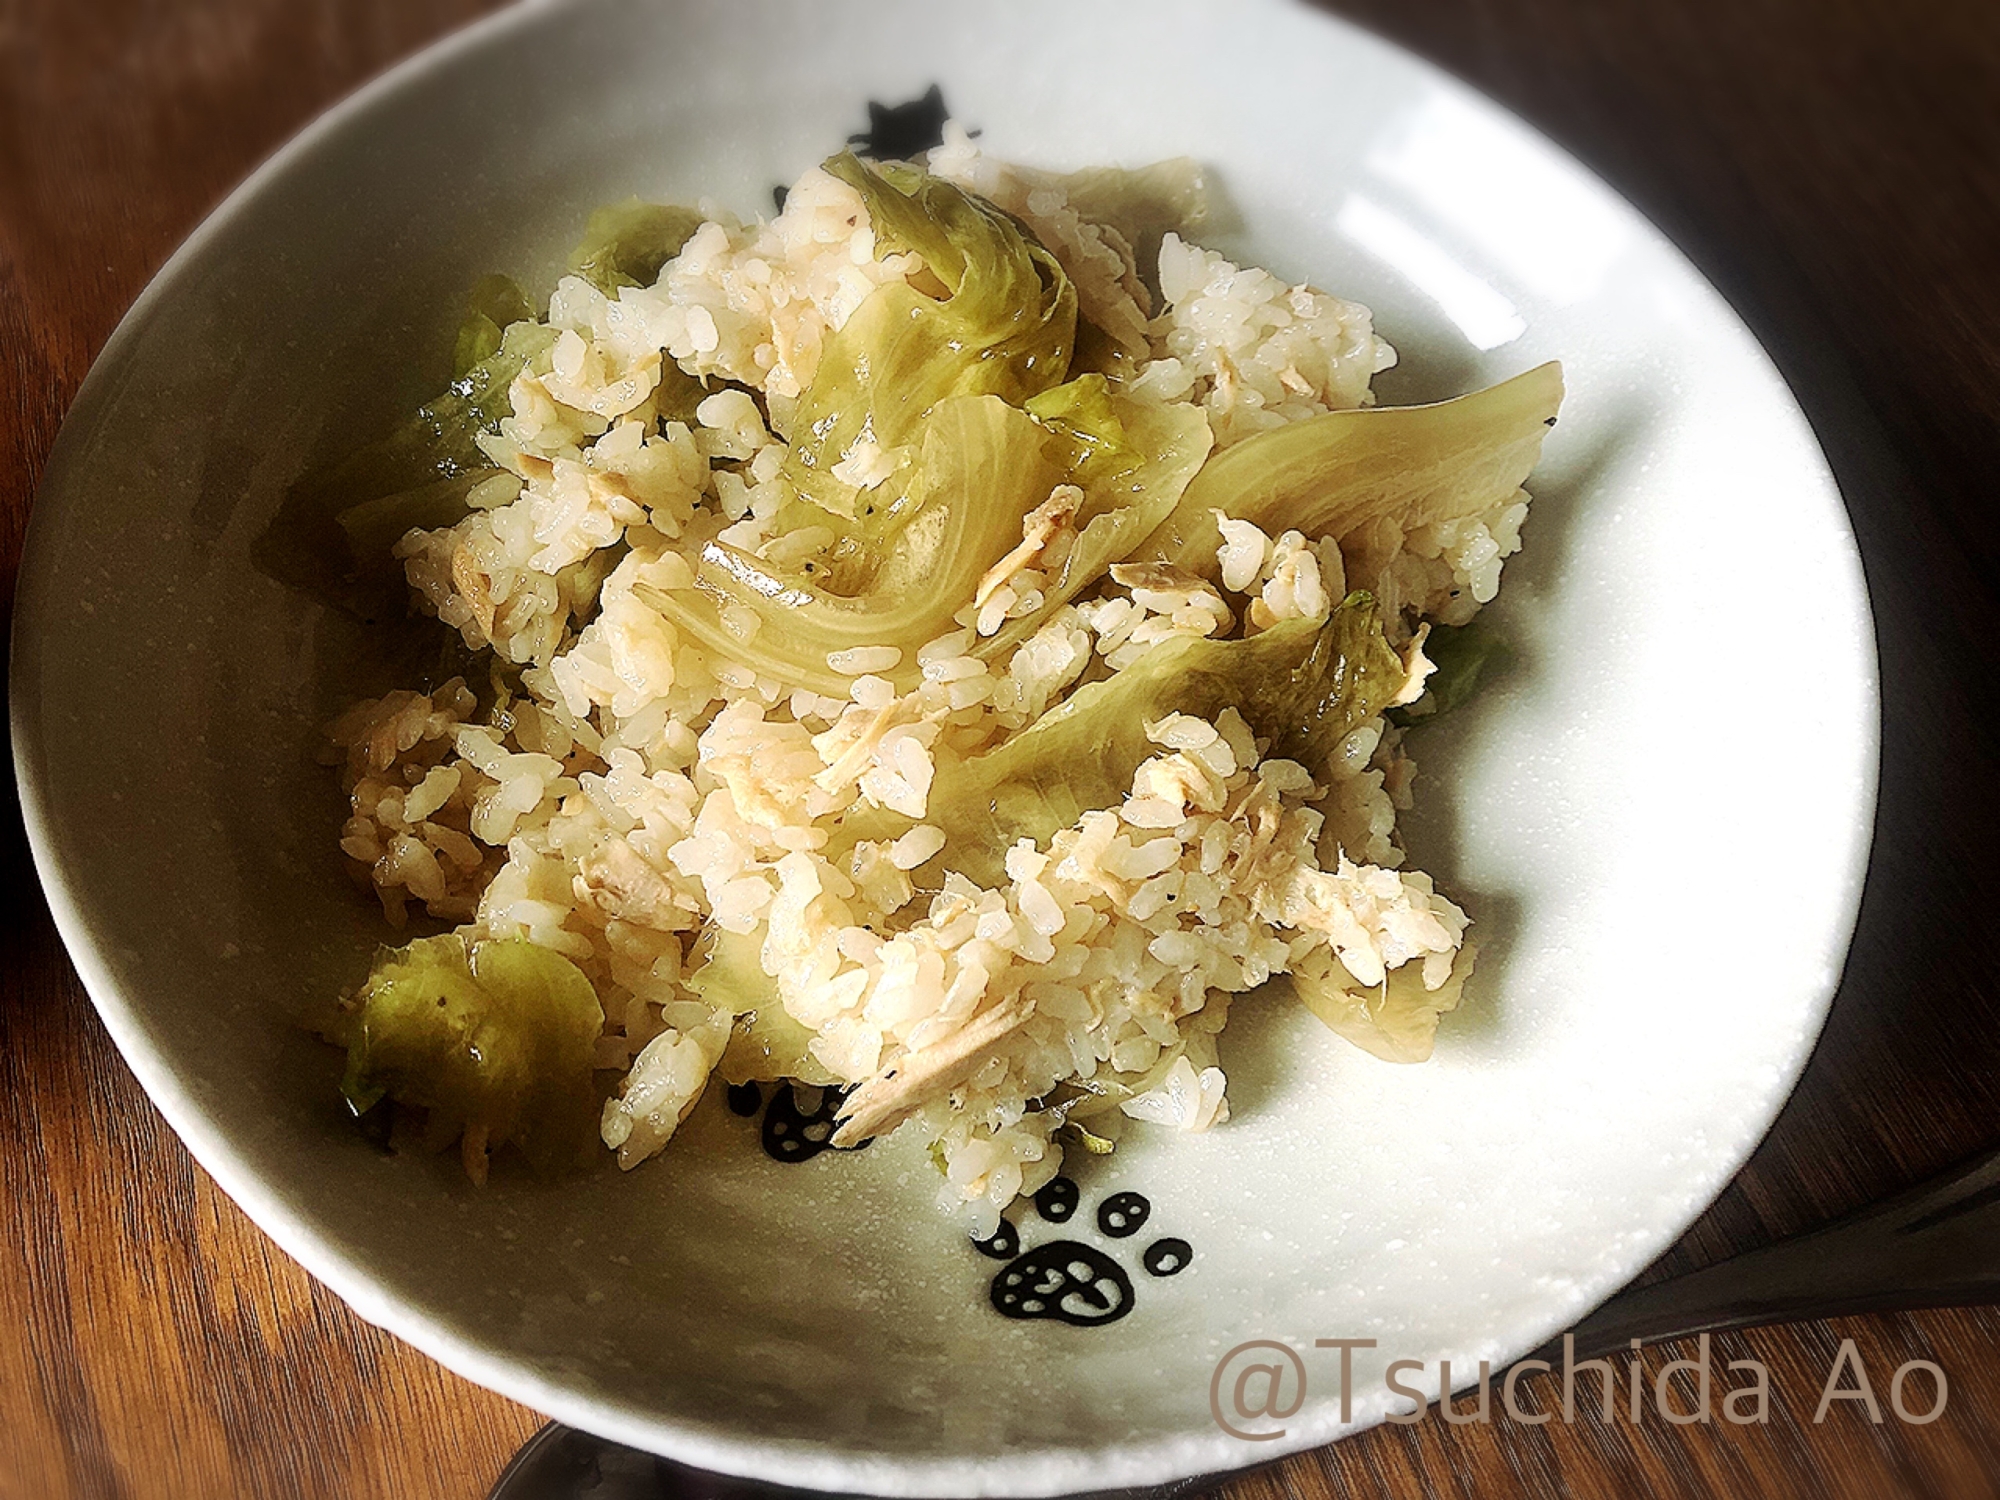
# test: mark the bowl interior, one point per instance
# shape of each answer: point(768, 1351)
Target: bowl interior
point(1663, 909)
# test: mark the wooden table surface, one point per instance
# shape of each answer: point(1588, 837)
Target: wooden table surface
point(1833, 165)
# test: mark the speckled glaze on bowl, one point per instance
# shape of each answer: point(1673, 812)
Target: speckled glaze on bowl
point(1664, 902)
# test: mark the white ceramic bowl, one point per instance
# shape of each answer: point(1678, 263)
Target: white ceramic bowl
point(1659, 818)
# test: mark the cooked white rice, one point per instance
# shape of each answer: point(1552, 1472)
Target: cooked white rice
point(642, 789)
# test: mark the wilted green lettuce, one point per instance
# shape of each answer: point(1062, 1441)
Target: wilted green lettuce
point(493, 306)
point(1083, 417)
point(332, 536)
point(768, 1045)
point(440, 440)
point(420, 473)
point(335, 531)
point(981, 466)
point(1396, 1020)
point(1330, 474)
point(1303, 685)
point(625, 244)
point(765, 1044)
point(499, 1034)
point(1122, 504)
point(1005, 326)
point(1144, 203)
point(373, 527)
point(1084, 1099)
point(1464, 656)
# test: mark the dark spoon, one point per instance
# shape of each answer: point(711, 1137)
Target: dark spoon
point(1937, 1245)
point(561, 1463)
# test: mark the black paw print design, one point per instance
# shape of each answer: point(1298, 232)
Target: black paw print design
point(791, 1133)
point(1067, 1280)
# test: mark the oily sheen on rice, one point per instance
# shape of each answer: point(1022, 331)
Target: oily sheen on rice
point(641, 796)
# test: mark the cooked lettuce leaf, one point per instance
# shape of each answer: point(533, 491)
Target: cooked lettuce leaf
point(982, 466)
point(1397, 1020)
point(625, 244)
point(1004, 326)
point(494, 305)
point(1144, 203)
point(1302, 685)
point(375, 526)
point(1098, 1096)
point(1331, 474)
point(440, 440)
point(1349, 675)
point(766, 1044)
point(419, 474)
point(1075, 1133)
point(331, 536)
point(1083, 418)
point(499, 1034)
point(1464, 656)
point(1121, 504)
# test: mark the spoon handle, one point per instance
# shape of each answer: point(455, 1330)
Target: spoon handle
point(1937, 1245)
point(562, 1463)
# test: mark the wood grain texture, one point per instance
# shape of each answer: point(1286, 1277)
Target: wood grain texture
point(1833, 165)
